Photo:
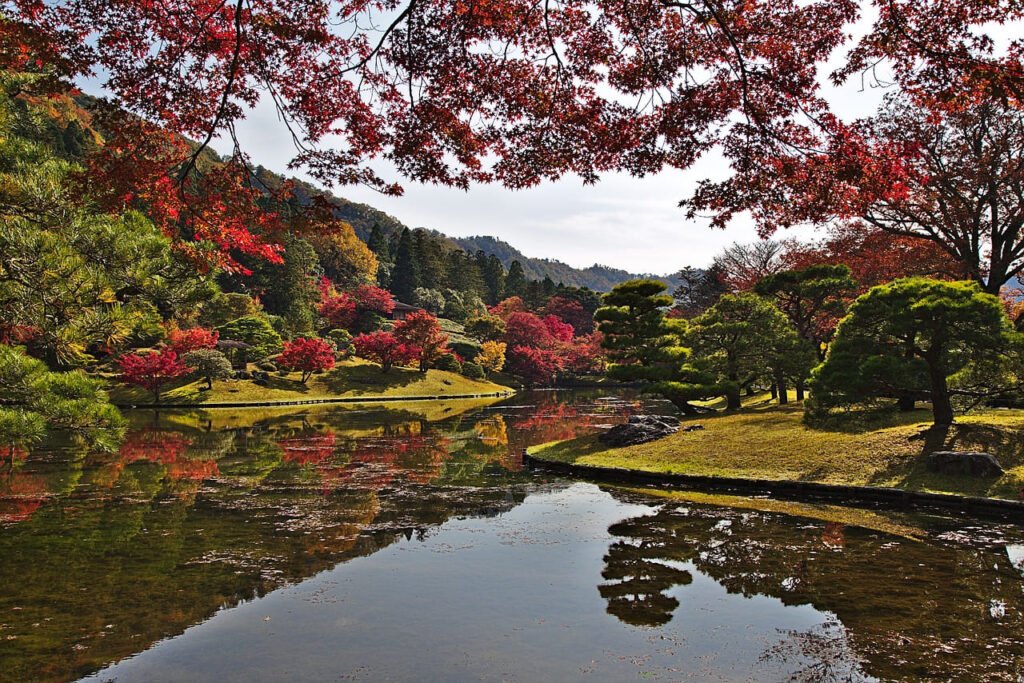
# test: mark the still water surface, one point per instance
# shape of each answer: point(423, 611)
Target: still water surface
point(406, 544)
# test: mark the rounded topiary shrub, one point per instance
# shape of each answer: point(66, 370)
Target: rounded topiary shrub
point(448, 362)
point(473, 371)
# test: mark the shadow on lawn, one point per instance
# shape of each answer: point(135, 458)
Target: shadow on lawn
point(1006, 444)
point(368, 379)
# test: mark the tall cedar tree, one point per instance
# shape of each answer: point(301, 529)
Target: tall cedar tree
point(405, 277)
point(515, 280)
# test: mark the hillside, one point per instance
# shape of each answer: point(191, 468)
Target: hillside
point(71, 133)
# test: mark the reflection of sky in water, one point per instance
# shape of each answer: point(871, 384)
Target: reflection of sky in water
point(506, 598)
point(1016, 555)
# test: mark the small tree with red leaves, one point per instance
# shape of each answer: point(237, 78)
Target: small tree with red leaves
point(306, 356)
point(152, 371)
point(421, 331)
point(339, 310)
point(384, 348)
point(193, 339)
point(537, 367)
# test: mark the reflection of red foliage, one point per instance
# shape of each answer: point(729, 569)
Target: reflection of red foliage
point(169, 449)
point(154, 445)
point(20, 496)
point(377, 463)
point(194, 470)
point(309, 450)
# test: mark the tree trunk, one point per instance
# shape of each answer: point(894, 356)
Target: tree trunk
point(209, 383)
point(780, 381)
point(942, 409)
point(750, 390)
point(732, 398)
point(905, 403)
point(775, 391)
point(800, 391)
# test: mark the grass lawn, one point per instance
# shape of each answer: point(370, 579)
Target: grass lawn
point(771, 442)
point(352, 378)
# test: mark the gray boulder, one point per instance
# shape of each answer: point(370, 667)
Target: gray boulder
point(964, 462)
point(639, 429)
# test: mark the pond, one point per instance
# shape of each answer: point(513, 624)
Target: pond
point(405, 543)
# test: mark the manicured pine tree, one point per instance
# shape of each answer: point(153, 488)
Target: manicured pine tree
point(644, 346)
point(908, 338)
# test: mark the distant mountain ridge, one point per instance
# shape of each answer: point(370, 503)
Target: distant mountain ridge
point(598, 277)
point(362, 217)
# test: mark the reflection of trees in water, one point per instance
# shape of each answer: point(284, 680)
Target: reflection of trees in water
point(638, 575)
point(907, 606)
point(818, 655)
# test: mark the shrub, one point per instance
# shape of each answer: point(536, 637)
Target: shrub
point(267, 366)
point(448, 362)
point(384, 348)
point(473, 371)
point(422, 332)
point(209, 364)
point(186, 341)
point(342, 341)
point(263, 340)
point(307, 356)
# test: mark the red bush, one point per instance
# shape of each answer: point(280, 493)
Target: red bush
point(422, 332)
point(537, 367)
point(338, 310)
point(186, 341)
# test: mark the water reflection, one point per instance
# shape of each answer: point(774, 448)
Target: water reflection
point(103, 554)
point(948, 603)
point(406, 543)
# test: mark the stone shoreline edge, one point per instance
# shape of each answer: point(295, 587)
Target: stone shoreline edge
point(310, 401)
point(788, 489)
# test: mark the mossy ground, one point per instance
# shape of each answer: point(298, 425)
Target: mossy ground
point(765, 441)
point(354, 378)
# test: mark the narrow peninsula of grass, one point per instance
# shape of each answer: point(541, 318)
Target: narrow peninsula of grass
point(773, 443)
point(350, 380)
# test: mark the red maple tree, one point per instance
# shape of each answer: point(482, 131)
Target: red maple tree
point(306, 356)
point(152, 371)
point(384, 348)
point(183, 341)
point(421, 331)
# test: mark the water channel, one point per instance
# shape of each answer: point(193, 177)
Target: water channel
point(406, 543)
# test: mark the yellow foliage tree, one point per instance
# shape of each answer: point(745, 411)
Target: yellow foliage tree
point(345, 258)
point(492, 356)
